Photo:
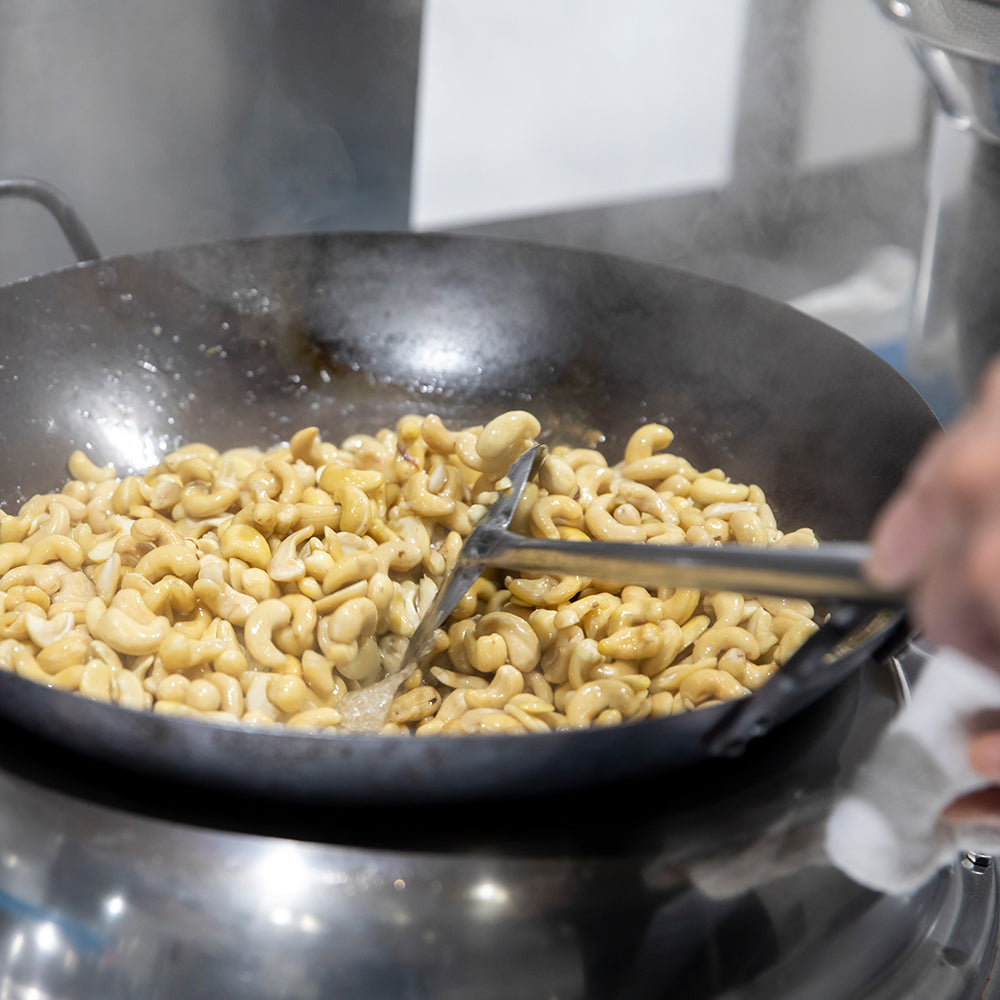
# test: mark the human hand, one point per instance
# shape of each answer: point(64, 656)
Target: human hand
point(939, 539)
point(939, 536)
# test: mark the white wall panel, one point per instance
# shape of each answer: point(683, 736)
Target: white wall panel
point(527, 106)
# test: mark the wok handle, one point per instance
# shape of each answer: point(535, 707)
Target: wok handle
point(59, 207)
point(834, 570)
point(816, 667)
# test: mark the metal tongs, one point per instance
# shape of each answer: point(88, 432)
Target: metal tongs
point(833, 571)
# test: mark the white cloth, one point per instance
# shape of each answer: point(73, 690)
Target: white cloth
point(884, 829)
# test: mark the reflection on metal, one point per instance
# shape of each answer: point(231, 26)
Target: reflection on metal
point(103, 903)
point(978, 863)
point(956, 311)
point(900, 683)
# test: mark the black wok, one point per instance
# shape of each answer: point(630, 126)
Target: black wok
point(244, 342)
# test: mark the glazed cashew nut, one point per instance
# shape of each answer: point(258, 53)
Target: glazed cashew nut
point(551, 511)
point(602, 524)
point(245, 542)
point(721, 637)
point(258, 629)
point(583, 659)
point(305, 446)
point(178, 559)
point(154, 531)
point(354, 566)
point(520, 642)
point(557, 476)
point(12, 554)
point(654, 469)
point(315, 718)
point(81, 467)
point(178, 652)
point(123, 633)
point(165, 492)
point(298, 635)
point(66, 651)
point(44, 576)
point(578, 611)
point(507, 682)
point(728, 607)
point(647, 501)
point(96, 681)
point(352, 621)
point(414, 706)
point(56, 548)
point(597, 696)
point(198, 500)
point(710, 684)
point(634, 642)
point(454, 679)
point(257, 701)
point(219, 595)
point(285, 564)
point(255, 582)
point(793, 638)
point(45, 631)
point(422, 501)
point(506, 436)
point(681, 604)
point(356, 512)
point(548, 591)
point(488, 720)
point(290, 490)
point(748, 528)
point(646, 440)
point(486, 653)
point(706, 490)
point(289, 693)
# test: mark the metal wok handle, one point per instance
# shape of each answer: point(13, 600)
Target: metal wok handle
point(59, 207)
point(816, 666)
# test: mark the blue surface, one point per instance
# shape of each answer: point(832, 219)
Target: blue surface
point(939, 391)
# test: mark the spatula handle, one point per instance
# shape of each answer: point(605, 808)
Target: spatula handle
point(833, 570)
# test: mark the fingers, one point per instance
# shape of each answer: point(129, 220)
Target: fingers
point(984, 755)
point(910, 527)
point(982, 806)
point(939, 535)
point(939, 538)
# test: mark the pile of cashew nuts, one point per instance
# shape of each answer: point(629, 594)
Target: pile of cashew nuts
point(262, 587)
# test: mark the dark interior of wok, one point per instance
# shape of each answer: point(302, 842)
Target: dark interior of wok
point(242, 343)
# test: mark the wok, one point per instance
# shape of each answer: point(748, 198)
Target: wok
point(244, 342)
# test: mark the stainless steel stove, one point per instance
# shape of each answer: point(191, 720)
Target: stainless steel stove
point(114, 886)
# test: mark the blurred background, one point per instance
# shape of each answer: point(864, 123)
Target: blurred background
point(783, 145)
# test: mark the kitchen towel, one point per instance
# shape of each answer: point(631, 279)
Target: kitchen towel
point(884, 828)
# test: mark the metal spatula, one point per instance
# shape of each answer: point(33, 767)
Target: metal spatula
point(834, 570)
